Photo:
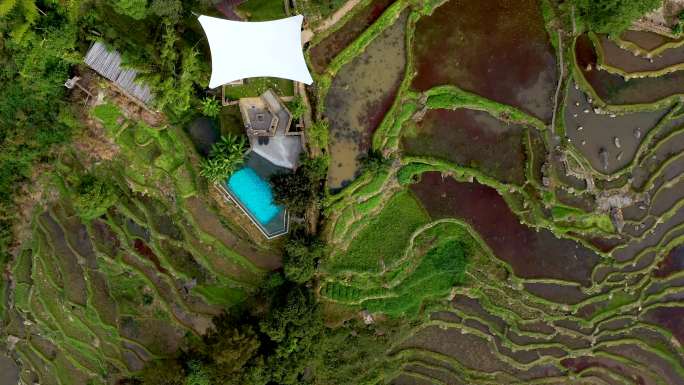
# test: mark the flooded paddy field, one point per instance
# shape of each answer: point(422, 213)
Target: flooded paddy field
point(674, 262)
point(325, 51)
point(531, 254)
point(9, 373)
point(497, 49)
point(471, 139)
point(625, 60)
point(608, 141)
point(360, 96)
point(614, 89)
point(645, 39)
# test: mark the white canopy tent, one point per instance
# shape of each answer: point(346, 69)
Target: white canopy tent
point(242, 50)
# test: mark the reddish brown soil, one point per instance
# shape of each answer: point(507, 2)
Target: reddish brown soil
point(583, 363)
point(472, 139)
point(144, 250)
point(671, 318)
point(531, 254)
point(673, 263)
point(325, 51)
point(498, 49)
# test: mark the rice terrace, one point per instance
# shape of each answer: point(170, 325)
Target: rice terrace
point(342, 192)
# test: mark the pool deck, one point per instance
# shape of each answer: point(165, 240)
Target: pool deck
point(280, 224)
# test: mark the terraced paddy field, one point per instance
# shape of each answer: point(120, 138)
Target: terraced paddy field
point(570, 235)
point(324, 51)
point(497, 49)
point(520, 221)
point(359, 97)
point(96, 297)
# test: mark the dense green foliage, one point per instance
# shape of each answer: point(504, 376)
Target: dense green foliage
point(355, 353)
point(34, 116)
point(263, 10)
point(211, 107)
point(226, 156)
point(612, 16)
point(297, 107)
point(277, 351)
point(136, 9)
point(298, 190)
point(302, 252)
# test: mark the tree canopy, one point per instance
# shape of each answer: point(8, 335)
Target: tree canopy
point(612, 16)
point(299, 189)
point(226, 156)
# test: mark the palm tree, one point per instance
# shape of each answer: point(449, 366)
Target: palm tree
point(226, 156)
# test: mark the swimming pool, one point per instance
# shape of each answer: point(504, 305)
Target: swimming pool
point(255, 195)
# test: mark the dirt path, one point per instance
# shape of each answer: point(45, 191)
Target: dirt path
point(331, 20)
point(561, 80)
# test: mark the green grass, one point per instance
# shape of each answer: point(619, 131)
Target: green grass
point(108, 114)
point(439, 270)
point(262, 10)
point(450, 97)
point(256, 86)
point(219, 294)
point(385, 238)
point(231, 120)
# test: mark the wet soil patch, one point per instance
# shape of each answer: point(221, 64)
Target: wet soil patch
point(646, 40)
point(359, 97)
point(470, 350)
point(325, 51)
point(472, 139)
point(609, 142)
point(625, 60)
point(211, 224)
point(144, 250)
point(498, 49)
point(671, 318)
point(105, 239)
point(203, 133)
point(556, 293)
point(9, 373)
point(673, 263)
point(531, 253)
point(614, 89)
point(74, 282)
point(583, 363)
point(159, 336)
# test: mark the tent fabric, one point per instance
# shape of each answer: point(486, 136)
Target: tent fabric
point(242, 50)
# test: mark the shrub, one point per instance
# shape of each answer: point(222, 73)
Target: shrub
point(301, 256)
point(612, 16)
point(297, 107)
point(226, 156)
point(210, 107)
point(93, 197)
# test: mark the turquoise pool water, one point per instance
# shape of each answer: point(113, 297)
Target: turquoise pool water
point(255, 194)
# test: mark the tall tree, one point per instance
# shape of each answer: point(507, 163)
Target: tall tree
point(612, 16)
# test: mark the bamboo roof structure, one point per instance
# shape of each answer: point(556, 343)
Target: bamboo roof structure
point(108, 64)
